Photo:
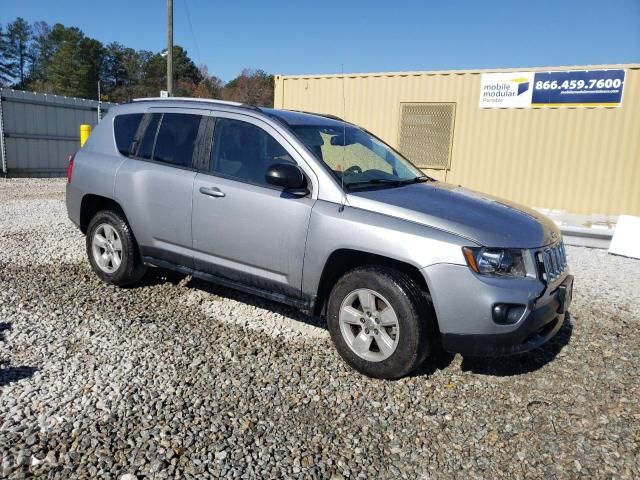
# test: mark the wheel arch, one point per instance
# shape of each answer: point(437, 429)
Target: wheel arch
point(342, 260)
point(92, 204)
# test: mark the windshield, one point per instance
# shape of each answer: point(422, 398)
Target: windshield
point(357, 158)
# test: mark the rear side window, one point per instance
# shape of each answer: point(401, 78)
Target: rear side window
point(176, 140)
point(146, 144)
point(124, 129)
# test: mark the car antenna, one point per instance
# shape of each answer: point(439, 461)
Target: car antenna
point(344, 138)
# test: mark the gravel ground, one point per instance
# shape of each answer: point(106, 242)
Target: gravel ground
point(177, 378)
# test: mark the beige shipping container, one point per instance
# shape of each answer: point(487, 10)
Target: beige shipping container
point(582, 160)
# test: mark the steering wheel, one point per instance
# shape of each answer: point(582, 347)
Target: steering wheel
point(353, 169)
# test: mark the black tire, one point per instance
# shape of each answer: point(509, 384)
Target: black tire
point(131, 268)
point(416, 321)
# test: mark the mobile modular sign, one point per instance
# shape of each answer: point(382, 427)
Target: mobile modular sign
point(571, 88)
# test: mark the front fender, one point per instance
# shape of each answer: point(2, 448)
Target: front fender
point(333, 227)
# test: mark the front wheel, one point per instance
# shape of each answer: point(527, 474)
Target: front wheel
point(380, 321)
point(112, 249)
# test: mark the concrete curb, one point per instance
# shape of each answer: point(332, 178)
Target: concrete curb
point(586, 237)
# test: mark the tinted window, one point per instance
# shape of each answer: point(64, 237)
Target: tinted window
point(176, 139)
point(146, 144)
point(124, 129)
point(243, 151)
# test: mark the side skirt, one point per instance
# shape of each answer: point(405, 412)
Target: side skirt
point(306, 306)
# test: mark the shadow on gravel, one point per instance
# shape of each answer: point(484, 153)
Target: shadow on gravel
point(523, 363)
point(13, 374)
point(438, 360)
point(4, 326)
point(157, 276)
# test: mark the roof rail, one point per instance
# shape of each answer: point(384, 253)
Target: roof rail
point(186, 99)
point(200, 100)
point(325, 115)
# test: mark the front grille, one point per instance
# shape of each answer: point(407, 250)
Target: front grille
point(552, 261)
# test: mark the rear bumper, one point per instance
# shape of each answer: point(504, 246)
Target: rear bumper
point(73, 199)
point(541, 324)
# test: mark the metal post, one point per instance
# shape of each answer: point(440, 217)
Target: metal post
point(170, 47)
point(3, 152)
point(99, 104)
point(85, 131)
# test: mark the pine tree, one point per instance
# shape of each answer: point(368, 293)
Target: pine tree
point(5, 71)
point(17, 38)
point(63, 66)
point(40, 53)
point(91, 66)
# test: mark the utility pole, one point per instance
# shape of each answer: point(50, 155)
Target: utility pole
point(170, 47)
point(99, 103)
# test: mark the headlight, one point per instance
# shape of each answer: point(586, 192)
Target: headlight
point(496, 261)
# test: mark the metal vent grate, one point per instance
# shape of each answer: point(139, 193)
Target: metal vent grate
point(426, 133)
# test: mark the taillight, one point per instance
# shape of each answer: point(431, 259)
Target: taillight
point(70, 168)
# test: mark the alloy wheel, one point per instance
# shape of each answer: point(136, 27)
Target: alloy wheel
point(107, 248)
point(369, 325)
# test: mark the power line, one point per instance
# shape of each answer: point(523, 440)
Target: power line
point(195, 44)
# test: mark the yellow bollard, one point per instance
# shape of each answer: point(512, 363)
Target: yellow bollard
point(85, 131)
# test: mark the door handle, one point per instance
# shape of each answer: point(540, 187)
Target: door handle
point(212, 192)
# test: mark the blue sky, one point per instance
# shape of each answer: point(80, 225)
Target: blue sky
point(304, 36)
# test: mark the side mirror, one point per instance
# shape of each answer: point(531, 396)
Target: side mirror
point(287, 176)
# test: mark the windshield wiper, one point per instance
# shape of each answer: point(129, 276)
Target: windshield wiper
point(421, 179)
point(390, 181)
point(374, 181)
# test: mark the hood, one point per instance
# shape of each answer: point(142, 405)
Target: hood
point(487, 220)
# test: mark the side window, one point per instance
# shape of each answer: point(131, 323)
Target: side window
point(145, 150)
point(124, 129)
point(244, 151)
point(177, 138)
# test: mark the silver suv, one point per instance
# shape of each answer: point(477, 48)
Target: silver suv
point(315, 212)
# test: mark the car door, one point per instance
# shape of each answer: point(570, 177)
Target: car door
point(155, 184)
point(244, 229)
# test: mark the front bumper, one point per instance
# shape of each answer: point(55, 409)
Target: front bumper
point(537, 328)
point(463, 302)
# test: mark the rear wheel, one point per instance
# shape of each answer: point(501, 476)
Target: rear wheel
point(112, 249)
point(380, 321)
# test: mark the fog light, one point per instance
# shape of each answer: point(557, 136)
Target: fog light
point(500, 313)
point(515, 313)
point(505, 314)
